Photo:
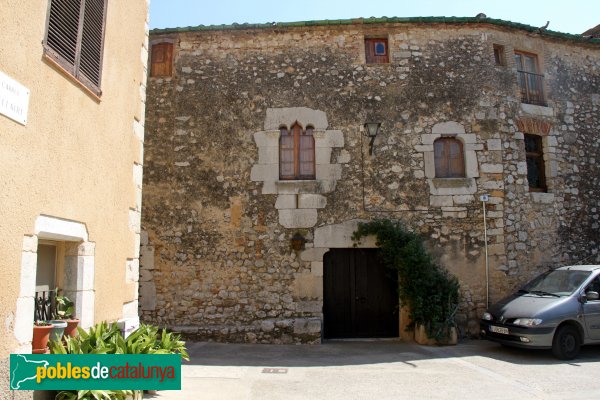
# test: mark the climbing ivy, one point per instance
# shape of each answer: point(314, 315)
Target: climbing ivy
point(430, 292)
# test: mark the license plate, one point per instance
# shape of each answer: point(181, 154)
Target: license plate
point(499, 329)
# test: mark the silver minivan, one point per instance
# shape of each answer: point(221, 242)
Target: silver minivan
point(558, 310)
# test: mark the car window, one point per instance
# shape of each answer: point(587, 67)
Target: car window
point(558, 282)
point(594, 286)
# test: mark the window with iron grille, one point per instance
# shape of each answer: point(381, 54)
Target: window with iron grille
point(449, 159)
point(529, 78)
point(376, 51)
point(75, 38)
point(535, 163)
point(296, 153)
point(161, 63)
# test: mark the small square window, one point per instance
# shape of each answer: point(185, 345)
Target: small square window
point(499, 55)
point(376, 51)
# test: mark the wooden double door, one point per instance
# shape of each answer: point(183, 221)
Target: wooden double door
point(360, 298)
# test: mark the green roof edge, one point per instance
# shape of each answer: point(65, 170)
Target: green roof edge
point(382, 20)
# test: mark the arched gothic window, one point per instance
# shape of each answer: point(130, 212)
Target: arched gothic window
point(296, 153)
point(449, 158)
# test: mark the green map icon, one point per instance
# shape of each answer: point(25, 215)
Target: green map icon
point(23, 369)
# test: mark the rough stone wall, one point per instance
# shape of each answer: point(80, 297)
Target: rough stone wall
point(217, 262)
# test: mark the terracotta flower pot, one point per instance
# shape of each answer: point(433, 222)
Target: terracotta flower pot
point(41, 335)
point(71, 329)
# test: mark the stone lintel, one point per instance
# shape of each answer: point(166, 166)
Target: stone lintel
point(299, 218)
point(311, 201)
point(452, 186)
point(537, 110)
point(314, 254)
point(286, 201)
point(340, 236)
point(298, 187)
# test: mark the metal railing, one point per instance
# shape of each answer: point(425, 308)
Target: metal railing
point(532, 88)
point(45, 305)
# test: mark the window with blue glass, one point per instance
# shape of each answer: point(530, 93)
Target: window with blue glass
point(376, 51)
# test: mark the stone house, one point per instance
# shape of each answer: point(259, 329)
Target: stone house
point(260, 163)
point(71, 139)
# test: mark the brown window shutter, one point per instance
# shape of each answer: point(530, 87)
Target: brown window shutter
point(449, 158)
point(286, 154)
point(75, 38)
point(306, 155)
point(162, 59)
point(63, 32)
point(296, 153)
point(90, 62)
point(376, 51)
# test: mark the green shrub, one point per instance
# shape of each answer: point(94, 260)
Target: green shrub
point(430, 292)
point(95, 395)
point(105, 338)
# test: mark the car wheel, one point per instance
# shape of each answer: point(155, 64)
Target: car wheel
point(566, 343)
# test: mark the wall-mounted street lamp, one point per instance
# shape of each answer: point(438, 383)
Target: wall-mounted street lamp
point(371, 131)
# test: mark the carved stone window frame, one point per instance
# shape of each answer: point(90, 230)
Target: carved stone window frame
point(297, 200)
point(450, 186)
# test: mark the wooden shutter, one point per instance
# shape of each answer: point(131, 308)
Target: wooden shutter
point(449, 159)
point(92, 37)
point(306, 155)
point(376, 51)
point(75, 38)
point(286, 154)
point(296, 153)
point(63, 32)
point(162, 59)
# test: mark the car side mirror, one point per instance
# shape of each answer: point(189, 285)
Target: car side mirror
point(591, 295)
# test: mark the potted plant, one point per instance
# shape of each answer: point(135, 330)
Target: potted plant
point(64, 312)
point(41, 335)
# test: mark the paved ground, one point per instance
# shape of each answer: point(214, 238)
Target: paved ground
point(383, 370)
